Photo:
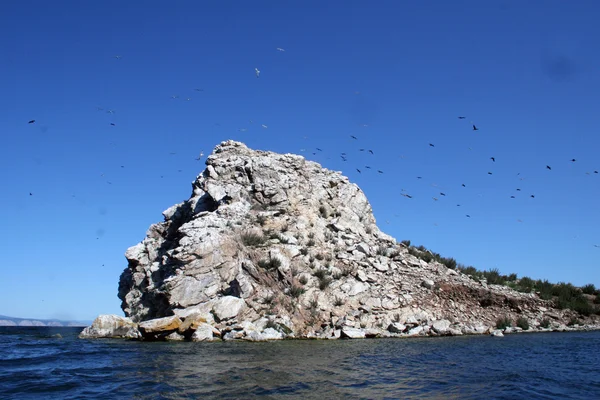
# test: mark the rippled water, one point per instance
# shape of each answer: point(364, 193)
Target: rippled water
point(34, 364)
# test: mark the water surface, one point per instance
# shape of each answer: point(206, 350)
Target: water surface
point(35, 364)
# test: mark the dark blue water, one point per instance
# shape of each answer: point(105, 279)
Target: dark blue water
point(34, 364)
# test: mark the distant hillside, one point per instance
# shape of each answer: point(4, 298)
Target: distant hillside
point(12, 321)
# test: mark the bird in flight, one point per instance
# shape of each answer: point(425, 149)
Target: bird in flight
point(358, 170)
point(489, 173)
point(475, 128)
point(353, 137)
point(573, 160)
point(442, 194)
point(112, 124)
point(32, 121)
point(371, 151)
point(493, 159)
point(468, 216)
point(380, 171)
point(461, 117)
point(431, 145)
point(532, 196)
point(548, 167)
point(264, 126)
point(463, 185)
point(280, 49)
point(200, 156)
point(257, 72)
point(31, 194)
point(318, 149)
point(117, 57)
point(367, 167)
point(199, 90)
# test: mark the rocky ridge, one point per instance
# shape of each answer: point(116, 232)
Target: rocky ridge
point(272, 246)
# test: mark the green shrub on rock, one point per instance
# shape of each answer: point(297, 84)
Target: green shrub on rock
point(523, 323)
point(503, 322)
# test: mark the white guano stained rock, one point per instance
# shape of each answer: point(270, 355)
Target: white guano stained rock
point(227, 307)
point(111, 326)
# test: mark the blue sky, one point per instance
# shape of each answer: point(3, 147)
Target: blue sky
point(395, 74)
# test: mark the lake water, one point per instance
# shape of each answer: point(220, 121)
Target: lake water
point(34, 364)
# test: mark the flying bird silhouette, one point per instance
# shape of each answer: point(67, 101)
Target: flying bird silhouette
point(32, 121)
point(257, 72)
point(461, 117)
point(548, 167)
point(353, 137)
point(371, 151)
point(380, 171)
point(475, 128)
point(463, 185)
point(431, 144)
point(489, 173)
point(358, 170)
point(573, 160)
point(493, 159)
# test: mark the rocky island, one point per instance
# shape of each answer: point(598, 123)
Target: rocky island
point(272, 246)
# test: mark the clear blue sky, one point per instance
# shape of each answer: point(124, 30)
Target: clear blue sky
point(396, 74)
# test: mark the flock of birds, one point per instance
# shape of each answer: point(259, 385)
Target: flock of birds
point(343, 155)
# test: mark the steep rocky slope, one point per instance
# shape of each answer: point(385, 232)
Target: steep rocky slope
point(272, 245)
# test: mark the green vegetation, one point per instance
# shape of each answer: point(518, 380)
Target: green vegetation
point(269, 264)
point(251, 238)
point(545, 323)
point(589, 289)
point(296, 291)
point(338, 301)
point(503, 322)
point(563, 295)
point(523, 323)
point(381, 251)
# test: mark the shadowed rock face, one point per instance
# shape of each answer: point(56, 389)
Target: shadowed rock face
point(271, 245)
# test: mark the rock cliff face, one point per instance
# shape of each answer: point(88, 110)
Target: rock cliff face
point(271, 246)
